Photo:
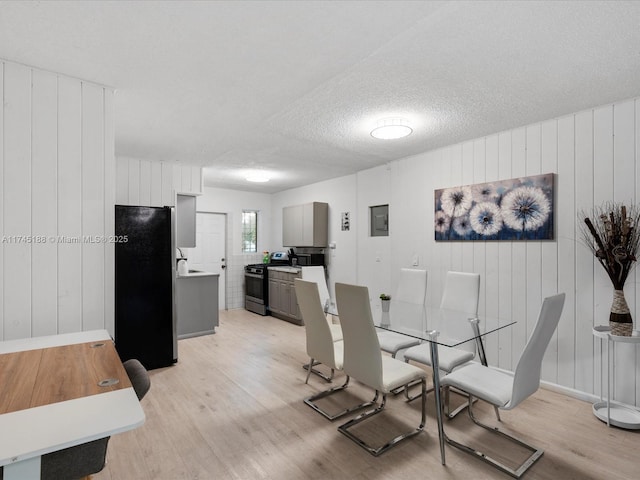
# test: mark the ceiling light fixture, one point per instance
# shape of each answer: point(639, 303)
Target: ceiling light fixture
point(257, 178)
point(391, 129)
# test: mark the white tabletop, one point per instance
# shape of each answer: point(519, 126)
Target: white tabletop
point(34, 343)
point(28, 434)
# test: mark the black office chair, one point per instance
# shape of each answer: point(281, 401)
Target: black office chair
point(139, 377)
point(80, 461)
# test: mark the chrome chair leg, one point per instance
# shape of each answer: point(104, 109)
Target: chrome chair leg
point(417, 395)
point(448, 413)
point(312, 399)
point(376, 451)
point(517, 472)
point(310, 369)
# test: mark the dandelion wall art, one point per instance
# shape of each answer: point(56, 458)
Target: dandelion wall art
point(516, 209)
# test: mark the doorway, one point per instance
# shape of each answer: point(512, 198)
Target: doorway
point(210, 252)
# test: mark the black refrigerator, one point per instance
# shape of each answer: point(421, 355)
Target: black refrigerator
point(145, 276)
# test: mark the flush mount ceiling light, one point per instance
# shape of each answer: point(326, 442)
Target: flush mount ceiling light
point(391, 129)
point(257, 178)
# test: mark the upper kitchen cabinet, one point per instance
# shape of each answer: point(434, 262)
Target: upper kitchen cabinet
point(305, 225)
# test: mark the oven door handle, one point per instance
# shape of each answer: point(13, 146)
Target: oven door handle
point(254, 275)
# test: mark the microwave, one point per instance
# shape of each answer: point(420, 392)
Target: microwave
point(310, 259)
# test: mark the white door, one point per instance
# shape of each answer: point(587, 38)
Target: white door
point(210, 252)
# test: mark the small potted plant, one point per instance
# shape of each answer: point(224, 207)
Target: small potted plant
point(385, 299)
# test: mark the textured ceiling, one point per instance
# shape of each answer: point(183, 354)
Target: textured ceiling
point(294, 88)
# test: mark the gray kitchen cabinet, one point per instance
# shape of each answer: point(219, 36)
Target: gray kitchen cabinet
point(305, 225)
point(185, 221)
point(283, 302)
point(196, 304)
point(274, 293)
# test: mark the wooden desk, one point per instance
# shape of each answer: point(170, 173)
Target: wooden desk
point(51, 397)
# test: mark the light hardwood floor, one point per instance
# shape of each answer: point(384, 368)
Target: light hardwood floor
point(232, 408)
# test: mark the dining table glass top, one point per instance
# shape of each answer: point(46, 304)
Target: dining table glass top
point(444, 327)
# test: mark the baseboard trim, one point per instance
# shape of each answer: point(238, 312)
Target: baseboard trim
point(570, 392)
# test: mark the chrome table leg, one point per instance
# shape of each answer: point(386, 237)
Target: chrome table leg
point(433, 336)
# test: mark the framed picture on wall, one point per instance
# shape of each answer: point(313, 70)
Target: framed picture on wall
point(346, 223)
point(515, 209)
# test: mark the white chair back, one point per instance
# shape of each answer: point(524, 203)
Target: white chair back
point(362, 355)
point(461, 292)
point(319, 340)
point(412, 287)
point(526, 379)
point(317, 274)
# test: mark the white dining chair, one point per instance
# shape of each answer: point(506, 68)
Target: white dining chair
point(461, 294)
point(506, 391)
point(317, 274)
point(364, 361)
point(412, 288)
point(321, 347)
point(313, 274)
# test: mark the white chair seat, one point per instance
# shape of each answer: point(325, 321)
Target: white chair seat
point(336, 332)
point(392, 342)
point(448, 358)
point(396, 373)
point(483, 382)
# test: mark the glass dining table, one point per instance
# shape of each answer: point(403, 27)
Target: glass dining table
point(441, 329)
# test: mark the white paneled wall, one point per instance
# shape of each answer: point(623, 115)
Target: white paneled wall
point(154, 184)
point(595, 158)
point(57, 188)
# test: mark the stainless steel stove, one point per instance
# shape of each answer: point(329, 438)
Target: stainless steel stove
point(256, 282)
point(256, 288)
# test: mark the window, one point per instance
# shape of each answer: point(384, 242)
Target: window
point(249, 231)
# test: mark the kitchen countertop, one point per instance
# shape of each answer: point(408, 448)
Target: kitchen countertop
point(286, 269)
point(198, 273)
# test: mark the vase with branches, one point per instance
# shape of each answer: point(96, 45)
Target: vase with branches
point(611, 232)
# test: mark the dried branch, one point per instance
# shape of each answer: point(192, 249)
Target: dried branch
point(613, 238)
